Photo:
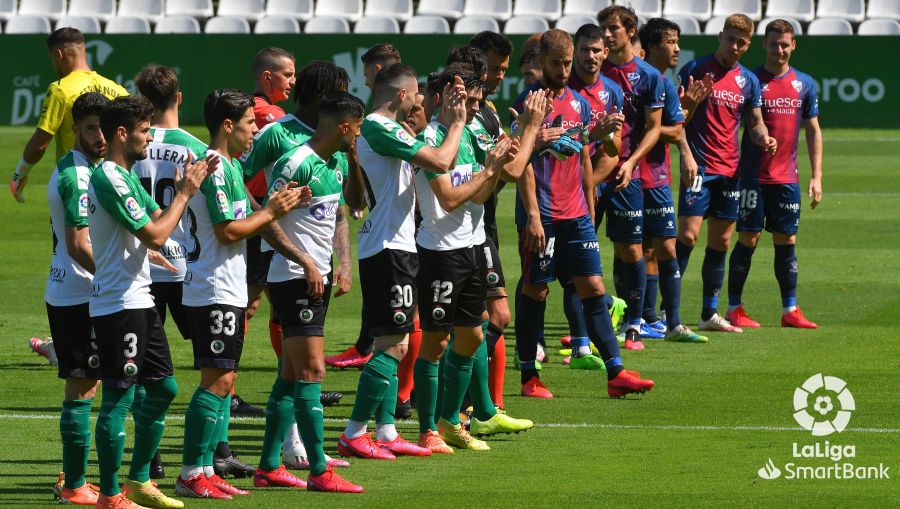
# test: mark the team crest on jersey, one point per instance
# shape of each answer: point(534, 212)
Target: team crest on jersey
point(484, 140)
point(604, 96)
point(740, 80)
point(134, 210)
point(797, 84)
point(339, 177)
point(633, 78)
point(83, 205)
point(221, 201)
point(278, 185)
point(576, 106)
point(765, 88)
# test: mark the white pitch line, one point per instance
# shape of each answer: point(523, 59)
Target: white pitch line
point(557, 425)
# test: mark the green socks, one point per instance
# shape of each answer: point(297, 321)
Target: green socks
point(384, 414)
point(311, 421)
point(479, 390)
point(457, 375)
point(425, 375)
point(110, 435)
point(140, 394)
point(200, 422)
point(149, 423)
point(279, 413)
point(220, 429)
point(75, 429)
point(374, 383)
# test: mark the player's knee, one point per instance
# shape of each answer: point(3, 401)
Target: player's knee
point(630, 253)
point(501, 317)
point(396, 345)
point(315, 373)
point(784, 239)
point(166, 389)
point(536, 292)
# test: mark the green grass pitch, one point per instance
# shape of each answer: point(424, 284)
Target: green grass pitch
point(719, 411)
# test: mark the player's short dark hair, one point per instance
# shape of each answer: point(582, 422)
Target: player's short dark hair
point(591, 32)
point(227, 104)
point(468, 55)
point(529, 57)
point(91, 103)
point(381, 54)
point(652, 33)
point(555, 40)
point(492, 41)
point(626, 16)
point(339, 105)
point(433, 83)
point(125, 111)
point(267, 59)
point(469, 76)
point(422, 86)
point(391, 75)
point(317, 78)
point(780, 26)
point(64, 36)
point(159, 84)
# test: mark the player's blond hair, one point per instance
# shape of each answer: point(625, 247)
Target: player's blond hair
point(740, 23)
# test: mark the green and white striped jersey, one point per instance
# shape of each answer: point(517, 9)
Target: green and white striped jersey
point(167, 152)
point(312, 229)
point(69, 284)
point(219, 274)
point(441, 230)
point(384, 150)
point(484, 140)
point(118, 207)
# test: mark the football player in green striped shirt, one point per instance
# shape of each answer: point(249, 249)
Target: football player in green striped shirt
point(125, 223)
point(301, 291)
point(215, 286)
point(68, 289)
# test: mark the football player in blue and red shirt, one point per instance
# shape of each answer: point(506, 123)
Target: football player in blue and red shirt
point(659, 39)
point(606, 100)
point(621, 194)
point(712, 132)
point(770, 189)
point(556, 235)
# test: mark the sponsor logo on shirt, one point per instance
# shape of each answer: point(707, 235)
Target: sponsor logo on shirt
point(221, 201)
point(278, 185)
point(83, 205)
point(240, 209)
point(404, 136)
point(728, 98)
point(134, 210)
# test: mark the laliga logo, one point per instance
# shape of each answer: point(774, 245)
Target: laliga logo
point(811, 415)
point(769, 471)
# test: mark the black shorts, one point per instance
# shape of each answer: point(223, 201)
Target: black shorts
point(451, 290)
point(300, 314)
point(133, 347)
point(257, 262)
point(73, 340)
point(388, 282)
point(488, 258)
point(217, 333)
point(168, 293)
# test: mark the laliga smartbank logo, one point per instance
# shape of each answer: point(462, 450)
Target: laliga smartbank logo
point(823, 406)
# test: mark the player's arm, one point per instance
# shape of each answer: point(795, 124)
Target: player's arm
point(78, 244)
point(759, 133)
point(235, 230)
point(689, 166)
point(500, 160)
point(814, 147)
point(161, 225)
point(354, 187)
point(441, 159)
point(608, 131)
point(343, 273)
point(648, 141)
point(272, 233)
point(587, 178)
point(602, 165)
point(34, 151)
point(534, 230)
point(529, 124)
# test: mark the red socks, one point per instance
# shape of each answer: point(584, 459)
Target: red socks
point(496, 373)
point(275, 337)
point(405, 370)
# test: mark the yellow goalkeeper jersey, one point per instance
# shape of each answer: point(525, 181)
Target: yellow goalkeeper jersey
point(56, 112)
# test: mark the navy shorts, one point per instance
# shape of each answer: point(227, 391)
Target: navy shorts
point(710, 196)
point(624, 211)
point(572, 250)
point(775, 207)
point(659, 213)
